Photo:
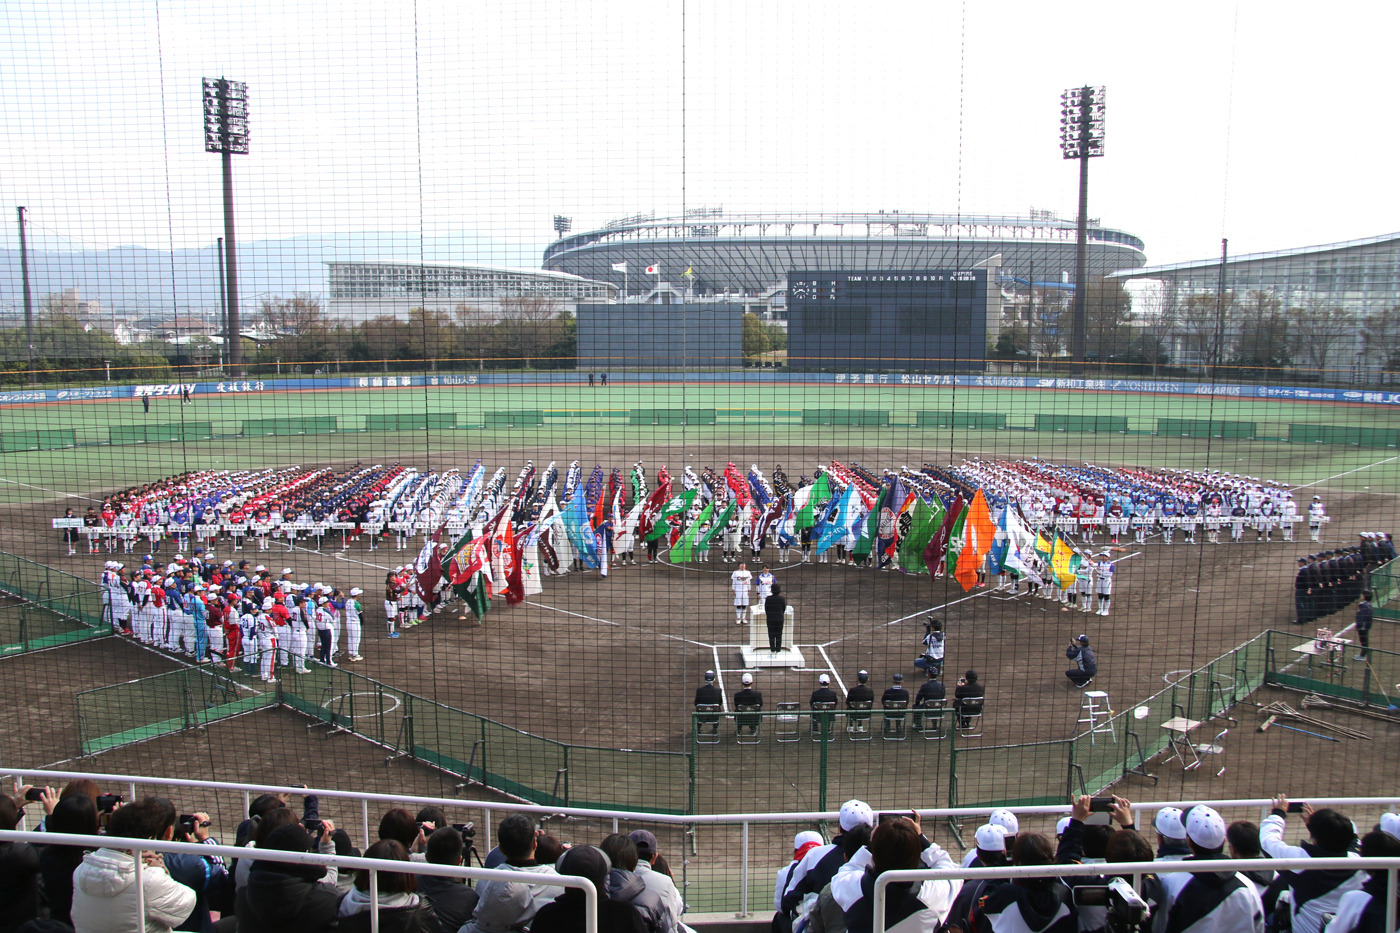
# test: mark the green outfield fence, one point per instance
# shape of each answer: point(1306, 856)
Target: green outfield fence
point(1385, 586)
point(411, 421)
point(41, 607)
point(1198, 427)
point(122, 714)
point(846, 417)
point(1343, 434)
point(282, 427)
point(160, 433)
point(12, 441)
point(980, 420)
point(1082, 424)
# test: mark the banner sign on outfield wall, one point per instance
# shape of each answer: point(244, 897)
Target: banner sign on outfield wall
point(851, 380)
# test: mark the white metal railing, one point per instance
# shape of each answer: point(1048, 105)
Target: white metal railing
point(685, 821)
point(137, 846)
point(1136, 870)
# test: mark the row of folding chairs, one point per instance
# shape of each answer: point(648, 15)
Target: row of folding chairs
point(825, 722)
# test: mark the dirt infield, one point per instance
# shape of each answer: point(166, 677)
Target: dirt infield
point(614, 662)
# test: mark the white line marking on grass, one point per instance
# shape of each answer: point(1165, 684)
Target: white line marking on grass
point(341, 556)
point(719, 679)
point(912, 615)
point(834, 672)
point(361, 693)
point(576, 615)
point(1345, 473)
point(67, 495)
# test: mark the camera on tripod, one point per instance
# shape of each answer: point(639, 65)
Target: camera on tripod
point(1127, 911)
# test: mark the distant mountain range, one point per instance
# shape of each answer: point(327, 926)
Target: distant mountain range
point(133, 280)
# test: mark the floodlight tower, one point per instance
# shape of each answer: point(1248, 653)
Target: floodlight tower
point(1081, 137)
point(226, 132)
point(562, 224)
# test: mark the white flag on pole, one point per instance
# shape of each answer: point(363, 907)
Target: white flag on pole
point(619, 267)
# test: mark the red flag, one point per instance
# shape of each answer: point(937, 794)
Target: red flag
point(652, 509)
point(428, 566)
point(937, 551)
point(515, 582)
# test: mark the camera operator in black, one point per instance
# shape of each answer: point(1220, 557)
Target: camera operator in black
point(205, 875)
point(1086, 665)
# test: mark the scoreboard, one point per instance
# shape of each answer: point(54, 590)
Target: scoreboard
point(896, 321)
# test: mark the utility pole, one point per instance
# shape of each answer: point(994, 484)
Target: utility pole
point(28, 300)
point(226, 132)
point(1081, 137)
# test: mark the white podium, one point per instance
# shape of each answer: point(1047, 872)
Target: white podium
point(756, 653)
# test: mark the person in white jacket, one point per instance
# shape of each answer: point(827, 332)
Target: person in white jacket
point(104, 885)
point(910, 907)
point(1313, 894)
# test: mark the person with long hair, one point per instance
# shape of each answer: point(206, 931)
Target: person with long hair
point(75, 815)
point(401, 910)
point(897, 844)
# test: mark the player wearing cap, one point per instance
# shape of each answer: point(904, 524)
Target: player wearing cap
point(823, 693)
point(820, 865)
point(802, 843)
point(1201, 901)
point(740, 581)
point(1001, 819)
point(1103, 581)
point(990, 851)
point(1315, 893)
point(708, 694)
point(1364, 911)
point(267, 641)
point(391, 602)
point(353, 627)
point(935, 646)
point(897, 844)
point(1317, 514)
point(1086, 666)
point(749, 695)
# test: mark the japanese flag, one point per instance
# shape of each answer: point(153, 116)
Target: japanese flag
point(653, 270)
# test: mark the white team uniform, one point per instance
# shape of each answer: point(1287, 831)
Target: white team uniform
point(764, 585)
point(740, 582)
point(352, 627)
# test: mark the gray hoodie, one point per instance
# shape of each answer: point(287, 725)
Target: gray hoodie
point(626, 887)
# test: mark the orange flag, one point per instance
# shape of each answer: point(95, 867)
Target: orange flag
point(978, 532)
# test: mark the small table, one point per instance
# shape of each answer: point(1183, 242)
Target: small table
point(1179, 739)
point(1333, 656)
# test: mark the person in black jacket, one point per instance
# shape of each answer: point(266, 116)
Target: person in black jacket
point(823, 693)
point(748, 696)
point(451, 898)
point(708, 694)
point(76, 815)
point(968, 689)
point(775, 608)
point(285, 898)
point(930, 692)
point(1086, 666)
point(19, 873)
point(1365, 617)
point(565, 914)
point(1043, 903)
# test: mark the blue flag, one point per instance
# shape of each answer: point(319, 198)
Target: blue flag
point(838, 524)
point(580, 530)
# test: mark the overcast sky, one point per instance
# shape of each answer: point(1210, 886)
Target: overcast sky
point(1269, 123)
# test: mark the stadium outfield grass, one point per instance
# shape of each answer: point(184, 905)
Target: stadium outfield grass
point(749, 415)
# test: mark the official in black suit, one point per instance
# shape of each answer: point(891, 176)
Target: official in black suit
point(823, 693)
point(708, 694)
point(862, 691)
point(748, 696)
point(775, 608)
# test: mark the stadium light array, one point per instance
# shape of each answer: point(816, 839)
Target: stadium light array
point(226, 132)
point(1081, 137)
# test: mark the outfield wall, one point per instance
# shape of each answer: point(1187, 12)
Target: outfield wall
point(569, 377)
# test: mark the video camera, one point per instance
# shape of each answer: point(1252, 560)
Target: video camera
point(1127, 911)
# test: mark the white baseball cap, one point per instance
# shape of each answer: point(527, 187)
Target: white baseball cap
point(267, 602)
point(746, 679)
point(824, 679)
point(259, 569)
point(1168, 823)
point(856, 813)
point(287, 570)
point(1390, 824)
point(1006, 820)
point(1205, 827)
point(991, 838)
point(355, 591)
point(805, 837)
point(1062, 825)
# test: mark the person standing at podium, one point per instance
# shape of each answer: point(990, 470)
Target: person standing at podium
point(775, 608)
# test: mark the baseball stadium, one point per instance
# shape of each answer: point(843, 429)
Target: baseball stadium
point(716, 540)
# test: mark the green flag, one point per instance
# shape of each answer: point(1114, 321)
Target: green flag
point(923, 522)
point(820, 495)
point(676, 505)
point(956, 542)
point(684, 550)
point(717, 527)
point(866, 541)
point(473, 593)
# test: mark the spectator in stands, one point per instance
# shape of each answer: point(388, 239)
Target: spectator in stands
point(820, 865)
point(452, 899)
point(652, 869)
point(1364, 911)
point(1209, 900)
point(511, 905)
point(281, 897)
point(399, 825)
point(824, 914)
point(19, 871)
point(1041, 904)
point(968, 696)
point(400, 908)
point(203, 875)
point(1243, 839)
point(104, 892)
point(896, 845)
point(1171, 835)
point(1314, 893)
point(802, 843)
point(625, 887)
point(749, 695)
point(76, 815)
point(266, 824)
point(1084, 843)
point(548, 849)
point(990, 851)
point(566, 913)
point(260, 805)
